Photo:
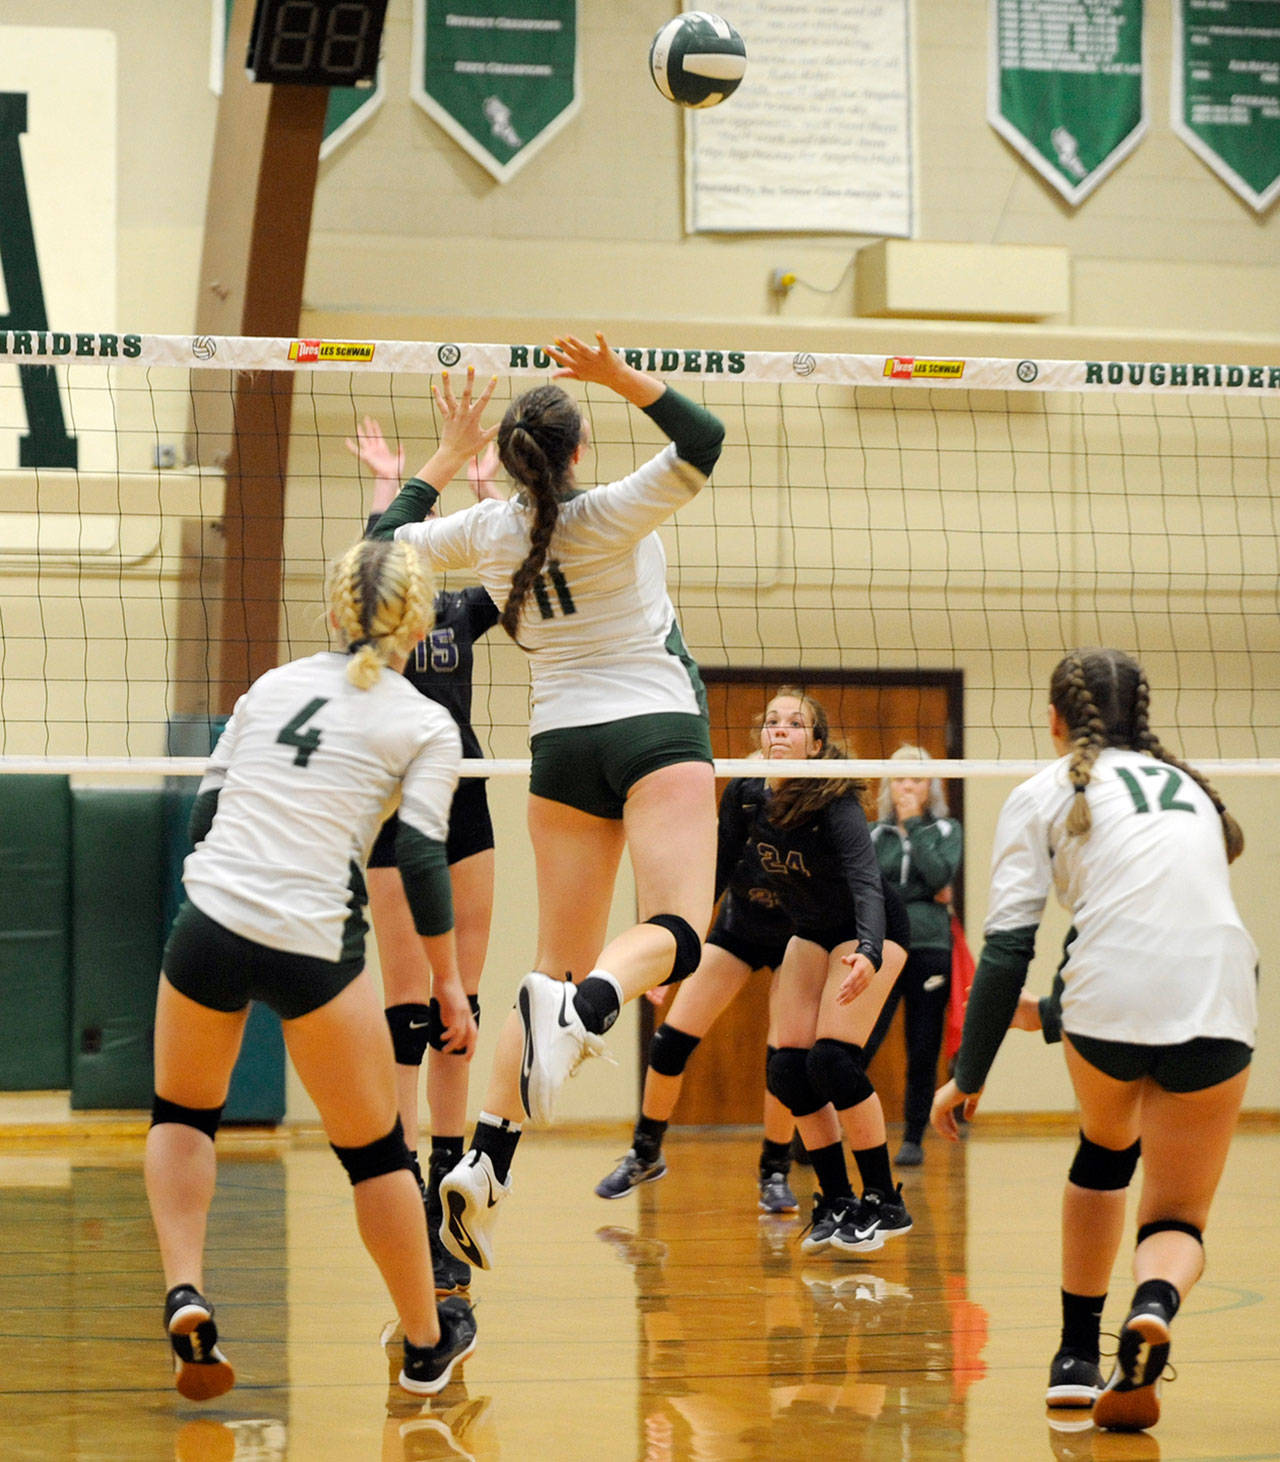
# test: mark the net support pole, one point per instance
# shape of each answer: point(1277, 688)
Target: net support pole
point(258, 222)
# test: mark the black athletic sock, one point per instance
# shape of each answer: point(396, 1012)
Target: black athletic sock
point(497, 1138)
point(1081, 1322)
point(874, 1169)
point(451, 1148)
point(1161, 1291)
point(647, 1140)
point(831, 1171)
point(775, 1157)
point(597, 1001)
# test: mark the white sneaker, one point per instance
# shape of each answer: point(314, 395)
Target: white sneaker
point(556, 1042)
point(469, 1195)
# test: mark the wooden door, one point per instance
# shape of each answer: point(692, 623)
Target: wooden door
point(871, 713)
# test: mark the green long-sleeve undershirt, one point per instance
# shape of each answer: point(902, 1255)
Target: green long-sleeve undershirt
point(997, 983)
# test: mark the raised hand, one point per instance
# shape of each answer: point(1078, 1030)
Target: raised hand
point(371, 447)
point(603, 366)
point(463, 430)
point(483, 473)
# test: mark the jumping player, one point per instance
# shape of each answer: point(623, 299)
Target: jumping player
point(621, 749)
point(440, 667)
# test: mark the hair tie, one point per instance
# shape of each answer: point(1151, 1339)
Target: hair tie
point(521, 424)
point(359, 644)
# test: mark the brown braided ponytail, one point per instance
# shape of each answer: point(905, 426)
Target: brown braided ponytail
point(536, 442)
point(1145, 739)
point(1103, 698)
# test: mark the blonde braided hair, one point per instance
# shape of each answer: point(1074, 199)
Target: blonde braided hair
point(1104, 697)
point(380, 595)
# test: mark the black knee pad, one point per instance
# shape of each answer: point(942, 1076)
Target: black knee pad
point(1170, 1226)
point(413, 1028)
point(386, 1155)
point(203, 1119)
point(670, 1049)
point(688, 945)
point(837, 1072)
point(787, 1077)
point(1103, 1169)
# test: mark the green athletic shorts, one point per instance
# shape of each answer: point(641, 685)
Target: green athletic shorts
point(593, 768)
point(1188, 1066)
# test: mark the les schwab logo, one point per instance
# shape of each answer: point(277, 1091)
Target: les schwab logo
point(311, 352)
point(908, 368)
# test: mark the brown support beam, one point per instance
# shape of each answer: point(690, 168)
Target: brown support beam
point(265, 160)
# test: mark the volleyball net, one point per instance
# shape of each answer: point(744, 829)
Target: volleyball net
point(915, 541)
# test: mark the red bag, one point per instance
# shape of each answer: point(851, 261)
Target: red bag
point(961, 983)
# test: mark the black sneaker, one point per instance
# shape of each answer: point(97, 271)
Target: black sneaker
point(200, 1370)
point(452, 1275)
point(1130, 1401)
point(775, 1193)
point(889, 1214)
point(1074, 1380)
point(630, 1173)
point(828, 1215)
point(859, 1233)
point(429, 1368)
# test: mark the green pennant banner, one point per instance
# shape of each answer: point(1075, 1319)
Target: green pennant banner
point(350, 107)
point(500, 76)
point(1065, 87)
point(1226, 91)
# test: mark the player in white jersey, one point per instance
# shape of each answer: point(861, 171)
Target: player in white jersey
point(1159, 1010)
point(295, 790)
point(440, 668)
point(621, 748)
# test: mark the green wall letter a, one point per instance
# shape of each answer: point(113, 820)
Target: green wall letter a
point(48, 444)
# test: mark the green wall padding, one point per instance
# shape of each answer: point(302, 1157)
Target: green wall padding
point(35, 950)
point(117, 909)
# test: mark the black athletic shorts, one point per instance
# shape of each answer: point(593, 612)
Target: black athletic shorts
point(470, 827)
point(897, 926)
point(220, 970)
point(750, 932)
point(1189, 1066)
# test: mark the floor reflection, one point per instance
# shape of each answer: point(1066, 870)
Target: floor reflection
point(678, 1324)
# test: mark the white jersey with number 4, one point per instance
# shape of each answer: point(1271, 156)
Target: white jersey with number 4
point(1160, 954)
point(598, 623)
point(304, 772)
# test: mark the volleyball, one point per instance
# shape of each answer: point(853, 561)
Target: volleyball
point(697, 59)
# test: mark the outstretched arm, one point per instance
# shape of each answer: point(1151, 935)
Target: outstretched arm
point(462, 435)
point(603, 366)
point(696, 433)
point(387, 466)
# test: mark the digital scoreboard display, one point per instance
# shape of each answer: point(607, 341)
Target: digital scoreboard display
point(316, 42)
